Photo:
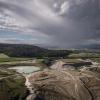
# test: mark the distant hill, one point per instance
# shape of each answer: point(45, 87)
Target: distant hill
point(92, 46)
point(23, 50)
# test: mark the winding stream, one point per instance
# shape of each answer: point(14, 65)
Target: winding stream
point(26, 72)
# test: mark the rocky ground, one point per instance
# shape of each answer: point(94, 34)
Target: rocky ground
point(66, 84)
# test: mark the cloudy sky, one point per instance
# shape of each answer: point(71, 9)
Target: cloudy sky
point(59, 23)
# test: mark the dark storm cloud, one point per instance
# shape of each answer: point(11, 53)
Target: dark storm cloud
point(64, 23)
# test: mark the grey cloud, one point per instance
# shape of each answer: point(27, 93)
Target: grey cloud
point(68, 23)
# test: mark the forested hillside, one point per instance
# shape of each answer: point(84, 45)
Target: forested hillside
point(21, 50)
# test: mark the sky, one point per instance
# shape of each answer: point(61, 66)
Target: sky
point(51, 23)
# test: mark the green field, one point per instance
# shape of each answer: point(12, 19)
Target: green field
point(84, 55)
point(4, 58)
